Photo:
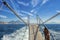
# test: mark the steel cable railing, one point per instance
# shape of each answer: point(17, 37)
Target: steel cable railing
point(52, 17)
point(49, 20)
point(44, 26)
point(6, 4)
point(29, 26)
point(23, 20)
point(38, 21)
point(52, 36)
point(48, 30)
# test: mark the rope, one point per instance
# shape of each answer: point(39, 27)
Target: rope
point(38, 27)
point(49, 20)
point(6, 4)
point(47, 28)
point(51, 17)
point(52, 36)
point(36, 34)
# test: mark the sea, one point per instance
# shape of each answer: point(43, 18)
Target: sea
point(6, 30)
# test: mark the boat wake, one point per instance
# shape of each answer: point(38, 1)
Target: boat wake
point(55, 34)
point(17, 35)
point(20, 35)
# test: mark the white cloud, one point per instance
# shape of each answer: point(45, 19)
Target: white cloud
point(3, 16)
point(33, 11)
point(25, 4)
point(27, 13)
point(43, 2)
point(20, 14)
point(24, 17)
point(58, 11)
point(35, 2)
point(13, 4)
point(5, 10)
point(53, 22)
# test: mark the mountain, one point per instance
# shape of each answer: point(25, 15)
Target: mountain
point(52, 23)
point(11, 22)
point(3, 22)
point(15, 22)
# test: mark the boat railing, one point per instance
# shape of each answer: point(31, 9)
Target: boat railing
point(42, 31)
point(52, 37)
point(41, 26)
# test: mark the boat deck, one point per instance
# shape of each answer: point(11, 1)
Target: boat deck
point(33, 29)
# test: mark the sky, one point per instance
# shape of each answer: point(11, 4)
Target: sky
point(44, 8)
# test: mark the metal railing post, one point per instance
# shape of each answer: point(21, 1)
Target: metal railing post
point(29, 25)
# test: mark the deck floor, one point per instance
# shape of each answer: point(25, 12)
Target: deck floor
point(33, 29)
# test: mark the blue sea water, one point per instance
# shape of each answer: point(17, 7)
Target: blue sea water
point(55, 27)
point(10, 28)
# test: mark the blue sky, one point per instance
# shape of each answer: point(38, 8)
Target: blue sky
point(44, 8)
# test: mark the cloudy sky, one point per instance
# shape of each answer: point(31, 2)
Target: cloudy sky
point(44, 8)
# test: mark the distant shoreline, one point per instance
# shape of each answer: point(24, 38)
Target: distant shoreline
point(45, 24)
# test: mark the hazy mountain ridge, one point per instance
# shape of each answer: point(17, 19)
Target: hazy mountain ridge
point(11, 22)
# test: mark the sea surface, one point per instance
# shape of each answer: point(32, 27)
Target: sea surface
point(6, 29)
point(54, 30)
